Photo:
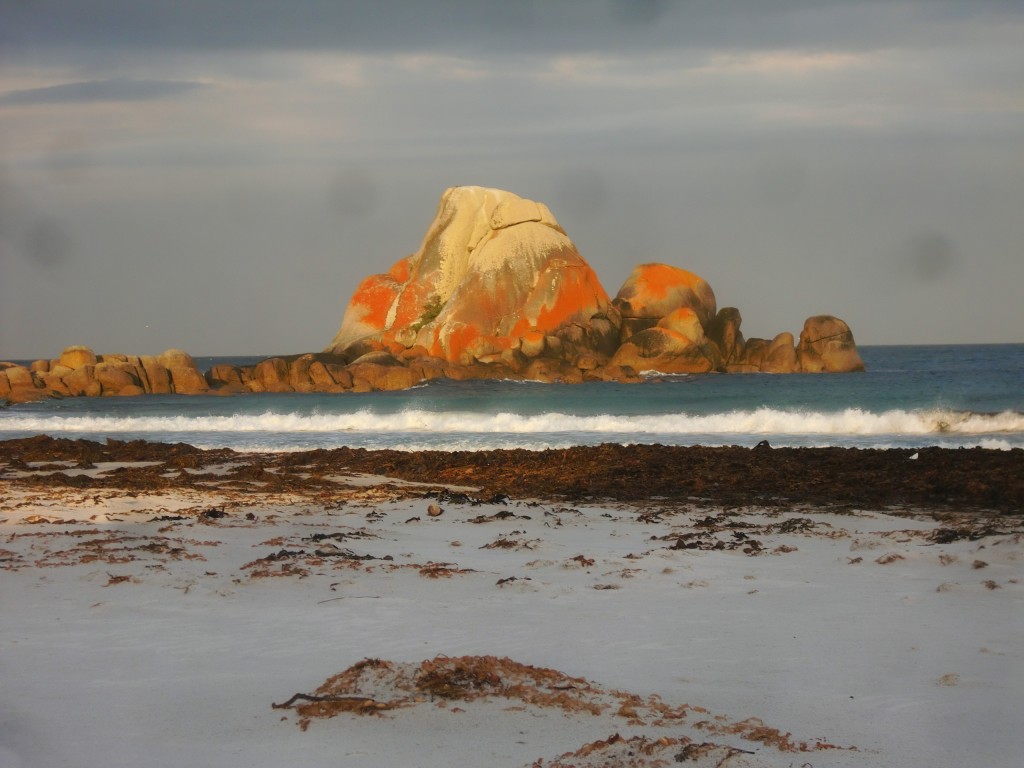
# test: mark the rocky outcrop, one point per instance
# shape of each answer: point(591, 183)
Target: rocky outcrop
point(654, 291)
point(724, 331)
point(780, 357)
point(496, 282)
point(81, 372)
point(677, 344)
point(76, 357)
point(496, 290)
point(826, 344)
point(495, 274)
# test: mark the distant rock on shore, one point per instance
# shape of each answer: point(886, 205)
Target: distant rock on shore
point(496, 290)
point(81, 372)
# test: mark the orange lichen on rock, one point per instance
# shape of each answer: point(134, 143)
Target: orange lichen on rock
point(497, 284)
point(368, 311)
point(566, 293)
point(489, 261)
point(401, 270)
point(653, 291)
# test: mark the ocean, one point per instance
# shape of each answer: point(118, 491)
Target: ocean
point(962, 396)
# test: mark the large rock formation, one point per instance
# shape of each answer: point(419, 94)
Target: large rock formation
point(496, 290)
point(497, 282)
point(495, 274)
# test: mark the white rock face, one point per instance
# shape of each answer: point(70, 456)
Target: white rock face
point(492, 267)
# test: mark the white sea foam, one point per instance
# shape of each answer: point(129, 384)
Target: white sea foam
point(761, 421)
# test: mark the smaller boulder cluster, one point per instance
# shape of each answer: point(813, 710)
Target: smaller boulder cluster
point(670, 323)
point(81, 372)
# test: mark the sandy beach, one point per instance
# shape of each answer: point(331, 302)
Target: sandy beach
point(166, 606)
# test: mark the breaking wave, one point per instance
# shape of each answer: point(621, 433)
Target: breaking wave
point(760, 421)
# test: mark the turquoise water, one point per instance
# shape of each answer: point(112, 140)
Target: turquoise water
point(911, 396)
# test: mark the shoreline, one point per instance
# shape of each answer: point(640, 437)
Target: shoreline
point(940, 480)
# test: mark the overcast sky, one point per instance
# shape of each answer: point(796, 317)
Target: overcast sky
point(218, 175)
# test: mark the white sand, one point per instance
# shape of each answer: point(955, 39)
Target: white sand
point(914, 662)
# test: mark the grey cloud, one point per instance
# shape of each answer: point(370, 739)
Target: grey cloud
point(116, 89)
point(473, 25)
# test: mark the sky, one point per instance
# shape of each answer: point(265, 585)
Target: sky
point(218, 176)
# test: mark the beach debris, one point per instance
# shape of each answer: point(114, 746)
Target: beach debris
point(977, 565)
point(35, 520)
point(333, 550)
point(502, 514)
point(987, 481)
point(434, 510)
point(212, 514)
point(510, 579)
point(298, 562)
point(441, 570)
point(503, 542)
point(706, 541)
point(461, 679)
point(581, 560)
point(639, 751)
point(115, 547)
point(375, 686)
point(891, 557)
point(793, 525)
point(10, 560)
point(968, 532)
point(341, 536)
point(448, 496)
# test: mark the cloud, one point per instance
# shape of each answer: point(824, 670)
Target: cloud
point(782, 62)
point(471, 25)
point(115, 89)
